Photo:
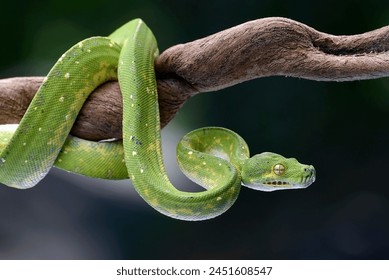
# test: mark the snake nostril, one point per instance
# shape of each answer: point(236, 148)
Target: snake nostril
point(310, 170)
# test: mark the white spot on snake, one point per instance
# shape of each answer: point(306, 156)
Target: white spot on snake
point(88, 50)
point(40, 129)
point(67, 76)
point(59, 160)
point(2, 160)
point(132, 177)
point(141, 170)
point(131, 96)
point(45, 79)
point(121, 62)
point(110, 45)
point(24, 144)
point(80, 45)
point(25, 161)
point(218, 198)
point(35, 108)
point(76, 62)
point(132, 105)
point(190, 153)
point(66, 117)
point(204, 163)
point(61, 99)
point(61, 58)
point(134, 153)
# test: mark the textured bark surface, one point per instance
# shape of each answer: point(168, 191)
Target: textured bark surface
point(264, 47)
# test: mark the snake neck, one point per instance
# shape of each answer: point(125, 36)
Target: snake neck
point(239, 161)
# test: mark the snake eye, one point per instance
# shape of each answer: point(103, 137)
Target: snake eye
point(278, 169)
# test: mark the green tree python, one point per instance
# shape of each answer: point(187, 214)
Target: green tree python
point(215, 158)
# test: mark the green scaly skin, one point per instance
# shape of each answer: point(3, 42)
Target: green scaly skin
point(216, 158)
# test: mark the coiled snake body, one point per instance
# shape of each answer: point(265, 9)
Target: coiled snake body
point(216, 158)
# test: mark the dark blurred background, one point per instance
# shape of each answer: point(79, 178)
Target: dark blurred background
point(340, 128)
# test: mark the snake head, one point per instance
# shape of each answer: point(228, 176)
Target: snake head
point(270, 172)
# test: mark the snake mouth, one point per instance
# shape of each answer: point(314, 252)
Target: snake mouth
point(270, 186)
point(277, 184)
point(284, 185)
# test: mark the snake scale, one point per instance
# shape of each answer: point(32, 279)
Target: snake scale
point(215, 158)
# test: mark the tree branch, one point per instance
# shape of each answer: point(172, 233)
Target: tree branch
point(264, 47)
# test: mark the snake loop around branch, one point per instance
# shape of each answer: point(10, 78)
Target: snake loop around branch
point(216, 158)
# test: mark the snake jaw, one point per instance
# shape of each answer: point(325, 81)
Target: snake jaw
point(277, 183)
point(270, 186)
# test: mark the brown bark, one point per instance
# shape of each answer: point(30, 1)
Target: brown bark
point(264, 47)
